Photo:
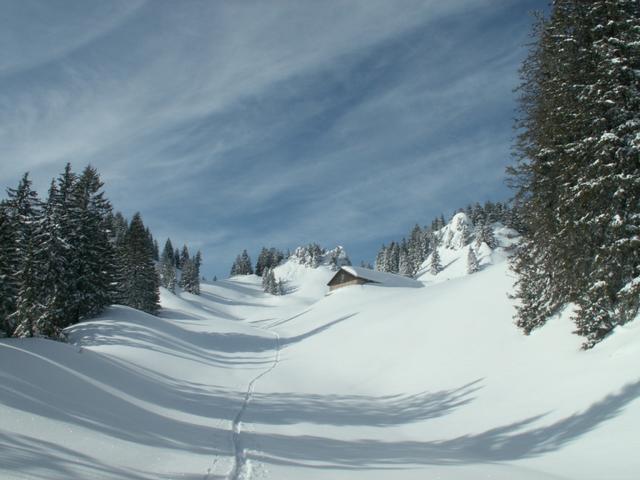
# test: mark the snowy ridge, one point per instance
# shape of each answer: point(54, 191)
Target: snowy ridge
point(456, 238)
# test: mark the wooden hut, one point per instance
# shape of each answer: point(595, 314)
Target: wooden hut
point(349, 275)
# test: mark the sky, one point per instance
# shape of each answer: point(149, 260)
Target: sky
point(242, 124)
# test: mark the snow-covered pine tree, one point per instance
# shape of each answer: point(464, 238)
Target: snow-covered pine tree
point(380, 259)
point(118, 228)
point(484, 234)
point(94, 257)
point(393, 258)
point(185, 268)
point(263, 261)
point(235, 267)
point(415, 250)
point(578, 193)
point(167, 252)
point(21, 211)
point(197, 263)
point(176, 257)
point(267, 279)
point(52, 260)
point(139, 282)
point(245, 264)
point(472, 261)
point(436, 265)
point(184, 256)
point(186, 277)
point(404, 263)
point(28, 307)
point(606, 193)
point(8, 267)
point(190, 279)
point(270, 284)
point(168, 274)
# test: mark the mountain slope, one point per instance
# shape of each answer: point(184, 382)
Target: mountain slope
point(366, 382)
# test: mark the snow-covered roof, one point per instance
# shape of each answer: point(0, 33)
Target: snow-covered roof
point(384, 278)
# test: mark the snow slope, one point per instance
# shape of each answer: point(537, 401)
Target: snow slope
point(366, 383)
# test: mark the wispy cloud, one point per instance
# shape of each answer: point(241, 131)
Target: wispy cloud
point(240, 123)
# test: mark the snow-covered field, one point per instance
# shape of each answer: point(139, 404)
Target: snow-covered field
point(367, 382)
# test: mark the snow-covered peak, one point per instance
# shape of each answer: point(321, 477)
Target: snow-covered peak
point(490, 243)
point(314, 256)
point(456, 234)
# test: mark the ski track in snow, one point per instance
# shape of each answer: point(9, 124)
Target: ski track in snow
point(240, 469)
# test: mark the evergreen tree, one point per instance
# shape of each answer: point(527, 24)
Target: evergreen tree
point(415, 250)
point(21, 210)
point(184, 256)
point(393, 258)
point(167, 252)
point(577, 174)
point(270, 284)
point(139, 282)
point(168, 274)
point(235, 267)
point(380, 259)
point(263, 261)
point(436, 265)
point(404, 263)
point(484, 234)
point(190, 279)
point(8, 268)
point(28, 307)
point(472, 261)
point(52, 279)
point(242, 265)
point(93, 264)
point(176, 257)
point(197, 262)
point(118, 229)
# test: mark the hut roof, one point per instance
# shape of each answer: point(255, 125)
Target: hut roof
point(383, 278)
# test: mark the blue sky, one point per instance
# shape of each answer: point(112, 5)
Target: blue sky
point(237, 124)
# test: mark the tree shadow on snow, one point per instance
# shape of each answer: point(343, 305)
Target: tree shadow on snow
point(515, 441)
point(342, 410)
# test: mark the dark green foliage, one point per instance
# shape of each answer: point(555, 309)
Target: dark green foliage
point(8, 262)
point(578, 172)
point(21, 211)
point(190, 277)
point(484, 234)
point(242, 265)
point(68, 258)
point(270, 284)
point(268, 258)
point(156, 251)
point(138, 280)
point(435, 266)
point(93, 260)
point(167, 268)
